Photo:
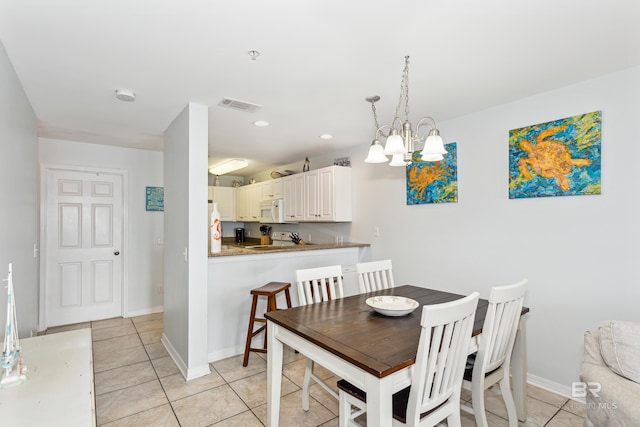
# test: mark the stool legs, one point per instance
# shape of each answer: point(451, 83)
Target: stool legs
point(250, 333)
point(271, 306)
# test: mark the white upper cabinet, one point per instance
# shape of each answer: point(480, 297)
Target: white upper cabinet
point(242, 203)
point(327, 194)
point(225, 197)
point(255, 196)
point(272, 189)
point(293, 197)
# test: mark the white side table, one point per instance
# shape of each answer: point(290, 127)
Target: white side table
point(59, 387)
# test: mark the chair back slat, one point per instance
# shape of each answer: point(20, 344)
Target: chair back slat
point(375, 275)
point(319, 284)
point(501, 325)
point(442, 352)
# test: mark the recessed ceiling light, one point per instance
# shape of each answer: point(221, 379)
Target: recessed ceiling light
point(125, 95)
point(261, 123)
point(326, 136)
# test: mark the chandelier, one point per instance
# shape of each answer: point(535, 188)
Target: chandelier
point(401, 138)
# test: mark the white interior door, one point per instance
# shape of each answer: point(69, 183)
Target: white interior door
point(83, 235)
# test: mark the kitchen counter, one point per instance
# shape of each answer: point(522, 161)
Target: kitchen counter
point(247, 249)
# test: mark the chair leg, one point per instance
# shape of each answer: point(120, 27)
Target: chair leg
point(505, 390)
point(454, 420)
point(477, 399)
point(344, 412)
point(306, 384)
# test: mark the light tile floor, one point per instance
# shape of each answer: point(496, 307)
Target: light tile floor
point(137, 384)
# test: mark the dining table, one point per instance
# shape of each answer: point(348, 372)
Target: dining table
point(374, 352)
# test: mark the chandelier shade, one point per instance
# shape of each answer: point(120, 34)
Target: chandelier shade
point(394, 145)
point(376, 153)
point(398, 160)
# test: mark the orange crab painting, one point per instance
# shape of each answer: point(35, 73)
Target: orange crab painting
point(433, 182)
point(557, 158)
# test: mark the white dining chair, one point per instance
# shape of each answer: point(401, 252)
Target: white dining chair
point(492, 361)
point(374, 275)
point(434, 393)
point(317, 285)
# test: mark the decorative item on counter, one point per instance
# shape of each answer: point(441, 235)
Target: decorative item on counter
point(295, 238)
point(252, 181)
point(307, 165)
point(216, 230)
point(265, 238)
point(342, 161)
point(237, 183)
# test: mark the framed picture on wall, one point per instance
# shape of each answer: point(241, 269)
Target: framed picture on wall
point(556, 158)
point(433, 182)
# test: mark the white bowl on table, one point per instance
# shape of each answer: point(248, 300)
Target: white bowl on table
point(392, 305)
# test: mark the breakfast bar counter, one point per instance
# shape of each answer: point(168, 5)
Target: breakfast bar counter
point(234, 272)
point(233, 249)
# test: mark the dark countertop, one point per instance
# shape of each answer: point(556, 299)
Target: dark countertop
point(230, 248)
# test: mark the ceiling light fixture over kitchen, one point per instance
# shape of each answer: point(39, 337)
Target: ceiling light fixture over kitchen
point(228, 166)
point(261, 123)
point(401, 138)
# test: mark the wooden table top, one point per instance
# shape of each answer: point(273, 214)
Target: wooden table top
point(350, 329)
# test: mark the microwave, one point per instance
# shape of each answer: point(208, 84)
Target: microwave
point(272, 211)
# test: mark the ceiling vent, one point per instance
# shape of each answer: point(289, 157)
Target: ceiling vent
point(239, 105)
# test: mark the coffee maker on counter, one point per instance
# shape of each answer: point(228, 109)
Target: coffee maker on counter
point(239, 235)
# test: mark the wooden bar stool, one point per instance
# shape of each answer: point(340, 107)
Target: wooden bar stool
point(270, 290)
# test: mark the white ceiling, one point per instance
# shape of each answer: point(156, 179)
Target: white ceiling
point(319, 60)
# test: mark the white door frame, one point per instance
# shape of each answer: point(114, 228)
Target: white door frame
point(44, 167)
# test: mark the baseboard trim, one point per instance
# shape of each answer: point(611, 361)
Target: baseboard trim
point(225, 353)
point(152, 310)
point(551, 386)
point(187, 373)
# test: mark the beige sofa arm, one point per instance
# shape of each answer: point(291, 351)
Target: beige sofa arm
point(617, 402)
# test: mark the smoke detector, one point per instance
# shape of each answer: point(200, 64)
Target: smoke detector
point(125, 95)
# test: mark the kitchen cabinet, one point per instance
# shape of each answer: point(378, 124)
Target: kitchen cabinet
point(327, 194)
point(248, 202)
point(225, 197)
point(242, 203)
point(293, 197)
point(272, 189)
point(255, 196)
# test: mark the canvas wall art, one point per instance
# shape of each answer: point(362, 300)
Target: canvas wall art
point(433, 182)
point(557, 158)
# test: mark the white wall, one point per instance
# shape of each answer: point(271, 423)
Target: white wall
point(144, 254)
point(19, 205)
point(185, 256)
point(579, 253)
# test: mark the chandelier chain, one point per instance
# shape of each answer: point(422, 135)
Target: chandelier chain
point(406, 87)
point(375, 115)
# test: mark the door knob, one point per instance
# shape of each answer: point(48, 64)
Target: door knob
point(116, 253)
